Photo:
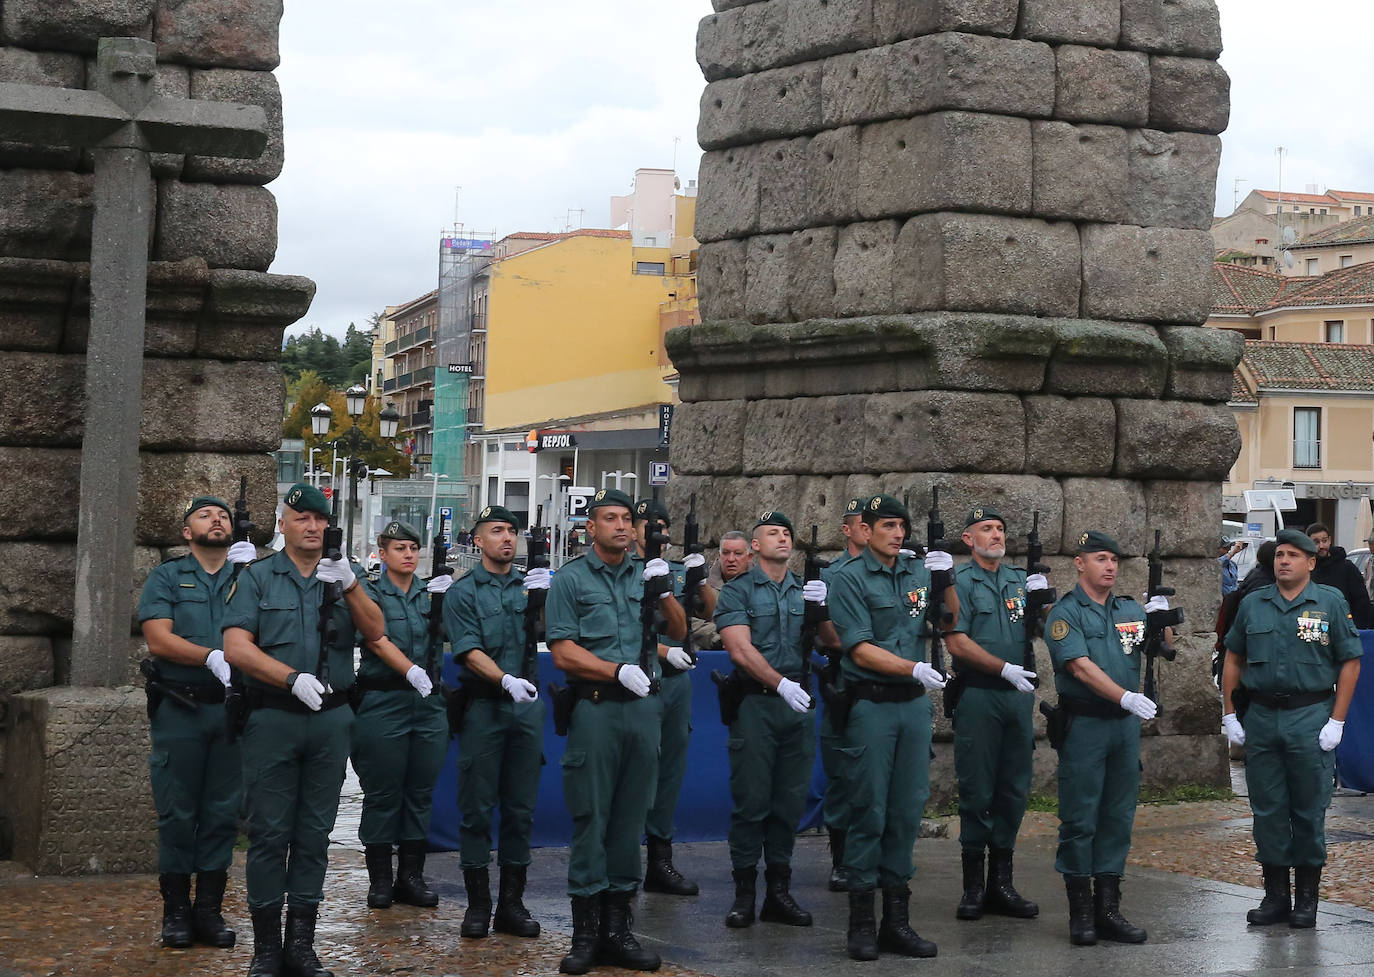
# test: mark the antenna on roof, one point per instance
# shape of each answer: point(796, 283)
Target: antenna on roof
point(1239, 181)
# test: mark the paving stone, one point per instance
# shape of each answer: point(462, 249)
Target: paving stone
point(1082, 172)
point(1096, 85)
point(1146, 274)
point(1189, 94)
point(1172, 179)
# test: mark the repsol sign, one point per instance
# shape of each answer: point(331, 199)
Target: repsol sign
point(555, 441)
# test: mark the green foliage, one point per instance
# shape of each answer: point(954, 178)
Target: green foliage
point(311, 389)
point(1185, 794)
point(338, 364)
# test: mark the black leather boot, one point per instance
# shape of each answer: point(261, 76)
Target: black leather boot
point(266, 942)
point(511, 915)
point(176, 909)
point(410, 888)
point(618, 946)
point(586, 919)
point(298, 946)
point(862, 939)
point(207, 912)
point(1107, 918)
point(1002, 897)
point(477, 917)
point(1306, 881)
point(379, 880)
point(1081, 929)
point(971, 905)
point(661, 875)
point(895, 935)
point(837, 881)
point(741, 912)
point(778, 904)
point(1278, 898)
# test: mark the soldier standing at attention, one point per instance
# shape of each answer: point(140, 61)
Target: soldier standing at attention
point(500, 746)
point(400, 735)
point(295, 742)
point(610, 765)
point(878, 604)
point(993, 731)
point(772, 743)
point(195, 770)
point(1291, 643)
point(661, 875)
point(1096, 639)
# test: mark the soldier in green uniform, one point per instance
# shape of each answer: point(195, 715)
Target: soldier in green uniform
point(676, 695)
point(296, 739)
point(832, 759)
point(400, 735)
point(194, 769)
point(771, 745)
point(1096, 639)
point(878, 605)
point(500, 746)
point(1291, 643)
point(610, 765)
point(993, 732)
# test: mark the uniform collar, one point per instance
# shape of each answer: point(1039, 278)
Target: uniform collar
point(482, 575)
point(1308, 593)
point(1081, 595)
point(596, 563)
point(387, 585)
point(982, 573)
point(874, 565)
point(759, 578)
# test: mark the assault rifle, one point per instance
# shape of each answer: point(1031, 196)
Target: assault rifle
point(437, 568)
point(937, 615)
point(814, 614)
point(235, 701)
point(333, 593)
point(534, 601)
point(1156, 641)
point(691, 543)
point(654, 541)
point(1035, 599)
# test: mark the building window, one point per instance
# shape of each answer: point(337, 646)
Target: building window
point(1313, 266)
point(1307, 445)
point(649, 267)
point(1357, 210)
point(1335, 330)
point(1323, 210)
point(1347, 260)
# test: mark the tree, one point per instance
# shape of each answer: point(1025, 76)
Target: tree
point(314, 390)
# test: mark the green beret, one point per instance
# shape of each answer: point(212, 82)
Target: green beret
point(201, 501)
point(652, 509)
point(1095, 542)
point(885, 507)
point(611, 497)
point(303, 497)
point(496, 513)
point(983, 513)
point(1299, 539)
point(772, 517)
point(854, 507)
point(400, 530)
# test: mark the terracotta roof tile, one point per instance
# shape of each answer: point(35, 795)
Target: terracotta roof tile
point(1300, 198)
point(1344, 286)
point(1237, 289)
point(1240, 390)
point(1357, 231)
point(1309, 366)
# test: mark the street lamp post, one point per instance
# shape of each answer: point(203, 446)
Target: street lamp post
point(434, 505)
point(556, 511)
point(354, 440)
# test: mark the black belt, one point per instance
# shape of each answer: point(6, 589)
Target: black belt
point(210, 693)
point(286, 702)
point(886, 691)
point(599, 692)
point(478, 689)
point(1092, 708)
point(390, 683)
point(669, 669)
point(975, 678)
point(751, 686)
point(1289, 700)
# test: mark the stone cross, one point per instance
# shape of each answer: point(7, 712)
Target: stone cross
point(122, 122)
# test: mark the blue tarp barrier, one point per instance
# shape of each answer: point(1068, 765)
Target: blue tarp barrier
point(1355, 755)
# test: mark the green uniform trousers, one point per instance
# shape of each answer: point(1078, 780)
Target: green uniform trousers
point(887, 745)
point(610, 767)
point(771, 749)
point(1099, 784)
point(676, 695)
point(400, 740)
point(834, 802)
point(993, 742)
point(197, 781)
point(500, 751)
point(293, 769)
point(1290, 778)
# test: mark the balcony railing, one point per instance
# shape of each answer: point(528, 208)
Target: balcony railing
point(389, 385)
point(392, 347)
point(1307, 454)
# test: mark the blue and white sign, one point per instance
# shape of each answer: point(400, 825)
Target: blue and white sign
point(1254, 530)
point(446, 517)
point(658, 473)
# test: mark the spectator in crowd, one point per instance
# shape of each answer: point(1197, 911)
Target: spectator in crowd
point(1334, 570)
point(1229, 574)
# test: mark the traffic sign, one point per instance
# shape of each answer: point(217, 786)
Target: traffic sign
point(578, 498)
point(658, 473)
point(446, 519)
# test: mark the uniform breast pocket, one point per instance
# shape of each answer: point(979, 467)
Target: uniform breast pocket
point(595, 616)
point(276, 622)
point(888, 614)
point(1259, 645)
point(984, 605)
point(191, 612)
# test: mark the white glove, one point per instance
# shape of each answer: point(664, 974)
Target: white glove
point(1235, 732)
point(336, 571)
point(815, 591)
point(308, 689)
point(243, 552)
point(694, 560)
point(909, 554)
point(656, 568)
point(419, 681)
point(1160, 603)
point(1018, 677)
point(794, 695)
point(1330, 736)
point(518, 689)
point(538, 578)
point(680, 660)
point(1134, 702)
point(1037, 581)
point(939, 560)
point(633, 678)
point(219, 668)
point(928, 676)
point(439, 584)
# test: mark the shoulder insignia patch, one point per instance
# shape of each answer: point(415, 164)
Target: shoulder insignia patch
point(1059, 630)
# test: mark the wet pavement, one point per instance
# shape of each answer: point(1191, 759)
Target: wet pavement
point(1191, 880)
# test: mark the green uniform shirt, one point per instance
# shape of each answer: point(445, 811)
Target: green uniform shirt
point(677, 574)
point(182, 592)
point(992, 608)
point(486, 611)
point(844, 559)
point(1297, 645)
point(407, 624)
point(869, 602)
point(1110, 635)
point(597, 606)
point(281, 609)
point(772, 612)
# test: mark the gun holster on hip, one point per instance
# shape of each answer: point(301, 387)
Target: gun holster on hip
point(1058, 720)
point(562, 699)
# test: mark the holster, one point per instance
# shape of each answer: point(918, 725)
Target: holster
point(954, 688)
point(838, 703)
point(356, 691)
point(456, 705)
point(236, 710)
point(563, 700)
point(728, 692)
point(154, 699)
point(156, 689)
point(1240, 698)
point(1057, 723)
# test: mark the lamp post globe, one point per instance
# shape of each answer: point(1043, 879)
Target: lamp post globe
point(390, 420)
point(356, 396)
point(320, 418)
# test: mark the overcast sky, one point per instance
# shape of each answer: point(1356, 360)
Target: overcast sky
point(537, 108)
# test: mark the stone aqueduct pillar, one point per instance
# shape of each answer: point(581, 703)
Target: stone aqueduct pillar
point(964, 244)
